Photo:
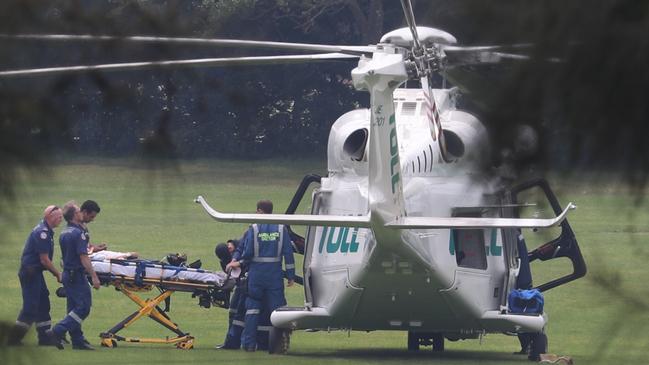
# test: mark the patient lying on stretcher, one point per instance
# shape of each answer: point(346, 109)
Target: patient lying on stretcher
point(111, 255)
point(129, 264)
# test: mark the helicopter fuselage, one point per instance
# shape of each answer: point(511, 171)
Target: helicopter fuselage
point(417, 279)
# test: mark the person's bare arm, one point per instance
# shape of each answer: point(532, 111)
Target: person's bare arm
point(85, 261)
point(98, 247)
point(47, 263)
point(233, 264)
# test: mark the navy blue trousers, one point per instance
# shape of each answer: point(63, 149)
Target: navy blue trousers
point(261, 302)
point(236, 318)
point(79, 301)
point(36, 302)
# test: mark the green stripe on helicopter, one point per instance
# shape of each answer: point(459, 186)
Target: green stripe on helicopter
point(394, 149)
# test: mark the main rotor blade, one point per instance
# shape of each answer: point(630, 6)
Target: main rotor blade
point(410, 19)
point(355, 50)
point(461, 56)
point(201, 62)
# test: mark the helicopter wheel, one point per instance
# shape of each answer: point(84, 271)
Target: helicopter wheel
point(279, 340)
point(413, 341)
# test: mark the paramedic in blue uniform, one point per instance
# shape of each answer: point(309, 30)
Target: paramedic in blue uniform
point(237, 310)
point(264, 245)
point(76, 264)
point(524, 282)
point(36, 258)
point(89, 211)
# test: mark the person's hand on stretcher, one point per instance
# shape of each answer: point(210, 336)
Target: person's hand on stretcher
point(233, 268)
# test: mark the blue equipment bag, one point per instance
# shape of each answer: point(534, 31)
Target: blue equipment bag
point(525, 301)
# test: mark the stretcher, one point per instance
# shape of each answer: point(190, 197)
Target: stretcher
point(134, 276)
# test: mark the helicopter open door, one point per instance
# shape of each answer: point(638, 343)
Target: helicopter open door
point(563, 244)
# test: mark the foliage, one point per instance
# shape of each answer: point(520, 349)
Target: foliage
point(588, 107)
point(227, 112)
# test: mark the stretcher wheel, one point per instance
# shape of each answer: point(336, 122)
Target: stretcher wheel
point(185, 345)
point(108, 342)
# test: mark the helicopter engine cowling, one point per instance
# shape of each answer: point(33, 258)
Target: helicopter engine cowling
point(348, 140)
point(465, 136)
point(466, 144)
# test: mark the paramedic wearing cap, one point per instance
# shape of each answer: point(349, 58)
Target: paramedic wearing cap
point(37, 257)
point(76, 263)
point(264, 247)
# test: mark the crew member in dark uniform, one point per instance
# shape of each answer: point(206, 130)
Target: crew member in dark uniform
point(36, 258)
point(76, 264)
point(224, 252)
point(264, 246)
point(237, 310)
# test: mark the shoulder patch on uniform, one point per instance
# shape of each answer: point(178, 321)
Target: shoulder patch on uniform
point(83, 236)
point(43, 235)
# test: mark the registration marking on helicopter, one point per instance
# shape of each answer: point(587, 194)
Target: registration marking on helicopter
point(341, 243)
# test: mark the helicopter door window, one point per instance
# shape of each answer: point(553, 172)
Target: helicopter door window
point(470, 248)
point(469, 244)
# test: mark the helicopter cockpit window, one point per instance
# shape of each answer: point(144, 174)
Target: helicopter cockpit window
point(470, 248)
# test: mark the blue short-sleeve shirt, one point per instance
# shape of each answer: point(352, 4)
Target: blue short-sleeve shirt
point(74, 242)
point(40, 240)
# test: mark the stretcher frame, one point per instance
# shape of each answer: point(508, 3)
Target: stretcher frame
point(150, 308)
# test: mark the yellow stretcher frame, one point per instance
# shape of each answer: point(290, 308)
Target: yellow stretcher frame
point(149, 307)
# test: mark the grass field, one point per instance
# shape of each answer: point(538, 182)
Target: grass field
point(599, 319)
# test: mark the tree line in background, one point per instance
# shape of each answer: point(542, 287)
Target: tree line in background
point(589, 109)
point(245, 112)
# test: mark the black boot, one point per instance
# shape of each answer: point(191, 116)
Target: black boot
point(538, 346)
point(85, 345)
point(228, 344)
point(16, 335)
point(52, 339)
point(525, 340)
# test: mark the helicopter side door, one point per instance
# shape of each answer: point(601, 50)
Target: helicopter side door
point(558, 243)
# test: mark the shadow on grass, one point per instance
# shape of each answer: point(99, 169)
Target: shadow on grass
point(372, 354)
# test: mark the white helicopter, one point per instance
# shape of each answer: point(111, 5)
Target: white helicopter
point(408, 232)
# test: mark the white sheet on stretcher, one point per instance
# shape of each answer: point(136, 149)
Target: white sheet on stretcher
point(126, 268)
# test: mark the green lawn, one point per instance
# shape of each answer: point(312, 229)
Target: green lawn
point(601, 318)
